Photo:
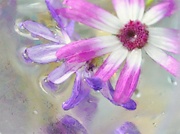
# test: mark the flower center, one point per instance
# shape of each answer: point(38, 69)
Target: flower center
point(133, 35)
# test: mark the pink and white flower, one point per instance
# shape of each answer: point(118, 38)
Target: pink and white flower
point(46, 53)
point(132, 31)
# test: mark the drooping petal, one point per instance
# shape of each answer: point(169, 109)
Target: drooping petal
point(79, 92)
point(158, 12)
point(107, 91)
point(63, 72)
point(127, 128)
point(166, 39)
point(40, 30)
point(65, 125)
point(84, 50)
point(128, 78)
point(129, 9)
point(44, 53)
point(91, 15)
point(164, 60)
point(111, 64)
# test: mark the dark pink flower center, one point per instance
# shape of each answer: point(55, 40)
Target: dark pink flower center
point(133, 35)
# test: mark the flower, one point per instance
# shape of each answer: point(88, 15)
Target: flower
point(132, 32)
point(46, 53)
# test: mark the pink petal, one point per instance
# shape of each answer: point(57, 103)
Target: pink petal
point(91, 15)
point(86, 56)
point(43, 53)
point(128, 78)
point(111, 64)
point(158, 12)
point(164, 60)
point(63, 72)
point(166, 39)
point(86, 49)
point(129, 9)
point(40, 30)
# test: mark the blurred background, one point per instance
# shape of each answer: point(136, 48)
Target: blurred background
point(27, 108)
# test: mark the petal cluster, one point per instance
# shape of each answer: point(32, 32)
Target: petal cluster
point(77, 61)
point(158, 39)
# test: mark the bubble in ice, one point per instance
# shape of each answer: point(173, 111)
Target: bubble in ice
point(137, 93)
point(172, 80)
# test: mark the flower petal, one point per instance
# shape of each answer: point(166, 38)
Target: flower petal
point(127, 128)
point(111, 64)
point(166, 39)
point(107, 91)
point(84, 50)
point(128, 78)
point(91, 15)
point(39, 30)
point(52, 5)
point(44, 53)
point(62, 22)
point(94, 83)
point(80, 91)
point(158, 12)
point(63, 72)
point(129, 9)
point(166, 61)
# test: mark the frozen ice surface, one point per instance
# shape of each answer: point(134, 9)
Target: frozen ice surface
point(26, 109)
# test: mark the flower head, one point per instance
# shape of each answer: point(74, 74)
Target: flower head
point(132, 32)
point(46, 53)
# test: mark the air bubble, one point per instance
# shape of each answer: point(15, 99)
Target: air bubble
point(35, 112)
point(172, 80)
point(47, 86)
point(137, 93)
point(25, 57)
point(154, 124)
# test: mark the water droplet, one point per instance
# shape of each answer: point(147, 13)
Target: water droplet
point(154, 124)
point(25, 57)
point(89, 101)
point(172, 80)
point(35, 112)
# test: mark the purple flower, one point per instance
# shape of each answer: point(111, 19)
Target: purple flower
point(132, 32)
point(46, 53)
